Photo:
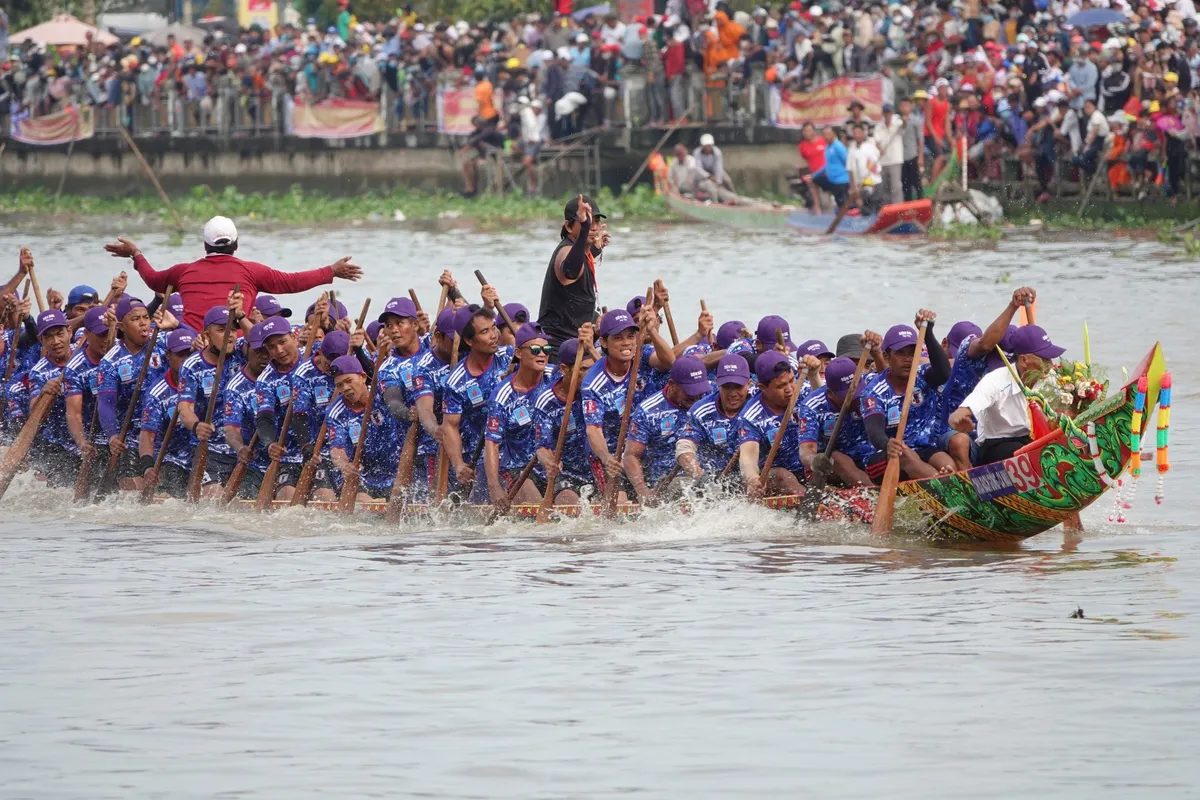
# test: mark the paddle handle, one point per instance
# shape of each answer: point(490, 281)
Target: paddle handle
point(404, 471)
point(412, 295)
point(266, 492)
point(708, 337)
point(511, 494)
point(148, 489)
point(499, 307)
point(543, 511)
point(881, 523)
point(234, 484)
point(442, 299)
point(817, 483)
point(612, 487)
point(37, 290)
point(20, 447)
point(362, 316)
point(670, 323)
point(350, 485)
point(308, 473)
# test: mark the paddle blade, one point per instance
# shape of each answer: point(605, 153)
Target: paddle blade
point(881, 523)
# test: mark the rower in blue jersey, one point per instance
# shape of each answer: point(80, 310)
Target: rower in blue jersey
point(274, 391)
point(240, 412)
point(708, 439)
point(605, 387)
point(519, 315)
point(549, 409)
point(53, 451)
point(511, 435)
point(161, 401)
point(21, 328)
point(972, 355)
point(81, 381)
point(654, 427)
point(819, 412)
point(766, 340)
point(428, 394)
point(757, 424)
point(198, 376)
point(654, 369)
point(119, 370)
point(882, 400)
point(346, 422)
point(469, 386)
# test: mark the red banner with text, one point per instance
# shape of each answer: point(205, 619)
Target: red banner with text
point(455, 110)
point(70, 124)
point(827, 104)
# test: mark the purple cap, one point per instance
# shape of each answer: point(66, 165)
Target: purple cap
point(445, 322)
point(180, 340)
point(217, 315)
point(766, 331)
point(335, 344)
point(728, 333)
point(345, 365)
point(899, 336)
point(635, 305)
point(399, 307)
point(272, 326)
point(839, 374)
point(567, 351)
point(126, 304)
point(528, 332)
point(175, 305)
point(1033, 340)
point(517, 313)
point(770, 365)
point(268, 306)
point(960, 331)
point(733, 369)
point(51, 318)
point(689, 374)
point(373, 330)
point(463, 317)
point(616, 321)
point(336, 311)
point(93, 320)
point(814, 347)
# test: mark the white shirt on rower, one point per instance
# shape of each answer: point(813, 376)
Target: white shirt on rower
point(999, 407)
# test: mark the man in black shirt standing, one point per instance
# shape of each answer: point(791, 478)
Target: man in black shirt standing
point(569, 288)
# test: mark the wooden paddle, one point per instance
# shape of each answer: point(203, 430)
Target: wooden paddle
point(441, 301)
point(87, 462)
point(777, 442)
point(37, 290)
point(234, 484)
point(543, 512)
point(110, 478)
point(404, 470)
point(511, 494)
point(733, 459)
point(308, 473)
point(670, 321)
point(816, 486)
point(499, 306)
point(151, 485)
point(442, 481)
point(20, 447)
point(709, 336)
point(350, 483)
point(881, 523)
point(16, 340)
point(200, 455)
point(612, 485)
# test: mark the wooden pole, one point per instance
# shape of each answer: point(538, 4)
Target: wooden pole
point(239, 474)
point(662, 140)
point(37, 290)
point(200, 455)
point(816, 486)
point(499, 307)
point(151, 485)
point(612, 486)
point(404, 470)
point(62, 179)
point(266, 491)
point(543, 512)
point(511, 494)
point(704, 308)
point(153, 178)
point(350, 484)
point(308, 473)
point(881, 523)
point(670, 323)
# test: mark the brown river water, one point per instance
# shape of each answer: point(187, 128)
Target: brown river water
point(177, 652)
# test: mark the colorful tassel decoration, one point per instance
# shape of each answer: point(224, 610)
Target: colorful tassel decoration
point(1163, 435)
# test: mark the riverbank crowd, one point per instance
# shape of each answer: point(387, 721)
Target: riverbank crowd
point(251, 398)
point(1066, 88)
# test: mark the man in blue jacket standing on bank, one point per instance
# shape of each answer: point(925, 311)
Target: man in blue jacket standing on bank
point(833, 177)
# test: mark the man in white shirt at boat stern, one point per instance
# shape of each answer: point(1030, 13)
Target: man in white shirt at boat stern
point(997, 410)
point(889, 137)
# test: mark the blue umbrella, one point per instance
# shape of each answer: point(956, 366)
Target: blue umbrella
point(1097, 16)
point(583, 13)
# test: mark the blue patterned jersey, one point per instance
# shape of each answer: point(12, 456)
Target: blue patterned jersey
point(16, 404)
point(273, 392)
point(650, 380)
point(82, 379)
point(118, 374)
point(429, 380)
point(818, 417)
point(548, 413)
point(965, 375)
point(714, 434)
point(656, 423)
point(381, 452)
point(196, 377)
point(604, 399)
point(468, 394)
point(240, 409)
point(314, 394)
point(156, 416)
point(511, 423)
point(400, 372)
point(55, 427)
point(922, 427)
point(757, 423)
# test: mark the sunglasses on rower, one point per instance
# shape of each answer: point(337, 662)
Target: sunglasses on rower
point(538, 349)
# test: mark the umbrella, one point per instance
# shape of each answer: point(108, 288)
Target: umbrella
point(1168, 123)
point(1093, 17)
point(598, 11)
point(63, 30)
point(182, 32)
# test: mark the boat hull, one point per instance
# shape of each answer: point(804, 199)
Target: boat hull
point(896, 219)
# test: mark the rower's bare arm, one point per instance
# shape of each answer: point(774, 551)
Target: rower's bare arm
point(748, 461)
point(452, 439)
point(631, 460)
point(985, 345)
point(187, 415)
point(808, 451)
point(427, 417)
point(233, 437)
point(75, 420)
point(598, 444)
point(685, 457)
point(146, 443)
point(664, 355)
point(545, 457)
point(491, 464)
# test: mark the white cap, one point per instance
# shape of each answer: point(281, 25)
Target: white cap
point(707, 140)
point(563, 53)
point(581, 38)
point(220, 231)
point(815, 11)
point(1040, 102)
point(240, 48)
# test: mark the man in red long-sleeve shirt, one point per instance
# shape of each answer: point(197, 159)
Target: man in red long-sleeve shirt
point(206, 283)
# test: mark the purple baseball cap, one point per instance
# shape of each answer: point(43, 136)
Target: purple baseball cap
point(898, 337)
point(335, 344)
point(175, 305)
point(1006, 344)
point(217, 315)
point(766, 331)
point(770, 365)
point(733, 369)
point(373, 330)
point(463, 317)
point(517, 313)
point(689, 374)
point(345, 365)
point(399, 307)
point(635, 305)
point(958, 332)
point(445, 322)
point(93, 320)
point(268, 306)
point(126, 304)
point(616, 321)
point(814, 347)
point(839, 374)
point(272, 326)
point(51, 318)
point(1033, 340)
point(567, 351)
point(528, 332)
point(180, 340)
point(728, 333)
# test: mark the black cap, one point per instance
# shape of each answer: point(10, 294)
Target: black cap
point(572, 208)
point(849, 345)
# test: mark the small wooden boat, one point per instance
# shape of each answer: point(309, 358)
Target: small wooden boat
point(1043, 484)
point(912, 218)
